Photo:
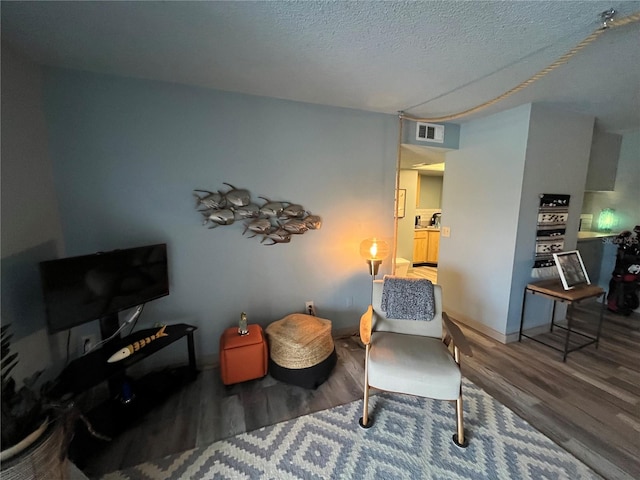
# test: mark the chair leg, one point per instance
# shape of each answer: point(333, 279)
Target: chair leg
point(365, 421)
point(459, 438)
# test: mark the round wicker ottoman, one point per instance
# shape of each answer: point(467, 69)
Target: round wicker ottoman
point(301, 350)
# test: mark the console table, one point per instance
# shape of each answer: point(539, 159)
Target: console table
point(553, 290)
point(118, 413)
point(91, 369)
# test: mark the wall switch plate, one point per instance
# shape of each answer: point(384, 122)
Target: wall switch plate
point(446, 231)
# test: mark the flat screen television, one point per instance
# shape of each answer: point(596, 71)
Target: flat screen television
point(81, 289)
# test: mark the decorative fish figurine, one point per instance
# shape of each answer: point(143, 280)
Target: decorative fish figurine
point(272, 209)
point(294, 211)
point(247, 211)
point(278, 236)
point(260, 225)
point(295, 225)
point(213, 200)
point(314, 222)
point(135, 346)
point(237, 197)
point(219, 217)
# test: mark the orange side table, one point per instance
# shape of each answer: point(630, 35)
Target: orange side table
point(243, 357)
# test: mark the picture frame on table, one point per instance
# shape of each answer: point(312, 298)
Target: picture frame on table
point(571, 269)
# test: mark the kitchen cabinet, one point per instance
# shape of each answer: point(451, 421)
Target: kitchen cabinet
point(603, 161)
point(433, 246)
point(426, 244)
point(420, 245)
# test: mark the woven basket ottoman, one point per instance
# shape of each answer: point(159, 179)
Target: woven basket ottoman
point(301, 350)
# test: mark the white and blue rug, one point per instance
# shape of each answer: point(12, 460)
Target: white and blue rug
point(411, 439)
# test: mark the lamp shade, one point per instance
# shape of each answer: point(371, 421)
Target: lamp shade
point(374, 249)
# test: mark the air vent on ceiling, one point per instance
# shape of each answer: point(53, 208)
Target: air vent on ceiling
point(430, 132)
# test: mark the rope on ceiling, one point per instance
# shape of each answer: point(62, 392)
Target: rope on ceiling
point(608, 22)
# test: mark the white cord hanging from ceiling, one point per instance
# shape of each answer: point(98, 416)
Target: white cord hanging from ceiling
point(608, 22)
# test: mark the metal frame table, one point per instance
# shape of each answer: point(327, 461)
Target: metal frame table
point(554, 290)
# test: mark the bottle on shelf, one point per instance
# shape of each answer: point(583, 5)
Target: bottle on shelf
point(242, 324)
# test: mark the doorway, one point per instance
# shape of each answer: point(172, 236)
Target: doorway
point(421, 177)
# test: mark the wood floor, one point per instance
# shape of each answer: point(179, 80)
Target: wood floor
point(589, 405)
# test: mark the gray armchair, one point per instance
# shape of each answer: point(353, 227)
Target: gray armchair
point(413, 357)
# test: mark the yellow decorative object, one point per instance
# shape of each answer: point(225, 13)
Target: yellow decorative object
point(135, 346)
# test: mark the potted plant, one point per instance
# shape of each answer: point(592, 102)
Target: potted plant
point(33, 439)
point(23, 412)
point(36, 430)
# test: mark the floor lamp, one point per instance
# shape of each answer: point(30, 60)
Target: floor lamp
point(374, 250)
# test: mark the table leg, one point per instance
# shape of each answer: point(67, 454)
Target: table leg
point(604, 299)
point(524, 300)
point(192, 353)
point(566, 341)
point(553, 316)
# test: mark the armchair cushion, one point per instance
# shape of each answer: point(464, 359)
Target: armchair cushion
point(415, 365)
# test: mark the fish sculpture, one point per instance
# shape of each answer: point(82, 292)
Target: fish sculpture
point(294, 211)
point(272, 209)
point(278, 235)
point(274, 221)
point(296, 226)
point(247, 211)
point(237, 197)
point(219, 217)
point(212, 200)
point(135, 346)
point(258, 226)
point(313, 222)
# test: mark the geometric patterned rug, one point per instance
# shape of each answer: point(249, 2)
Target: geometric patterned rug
point(410, 439)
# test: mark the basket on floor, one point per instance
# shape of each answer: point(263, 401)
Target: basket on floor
point(301, 350)
point(45, 459)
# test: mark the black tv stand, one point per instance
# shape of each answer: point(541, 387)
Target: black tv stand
point(91, 369)
point(120, 412)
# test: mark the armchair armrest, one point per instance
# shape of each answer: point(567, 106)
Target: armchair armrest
point(365, 326)
point(459, 340)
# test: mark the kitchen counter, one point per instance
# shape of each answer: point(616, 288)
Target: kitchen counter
point(427, 229)
point(583, 236)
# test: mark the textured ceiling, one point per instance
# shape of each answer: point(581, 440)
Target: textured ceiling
point(426, 58)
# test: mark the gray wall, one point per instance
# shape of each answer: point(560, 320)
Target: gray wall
point(480, 204)
point(128, 153)
point(557, 159)
point(490, 203)
point(31, 229)
point(430, 191)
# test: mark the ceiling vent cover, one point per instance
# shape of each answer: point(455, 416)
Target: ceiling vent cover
point(430, 132)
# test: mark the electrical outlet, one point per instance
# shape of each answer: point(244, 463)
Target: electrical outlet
point(446, 231)
point(87, 342)
point(309, 308)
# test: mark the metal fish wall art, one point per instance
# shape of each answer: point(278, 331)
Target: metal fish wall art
point(210, 199)
point(275, 221)
point(237, 197)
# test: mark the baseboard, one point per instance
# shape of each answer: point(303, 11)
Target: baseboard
point(345, 331)
point(482, 328)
